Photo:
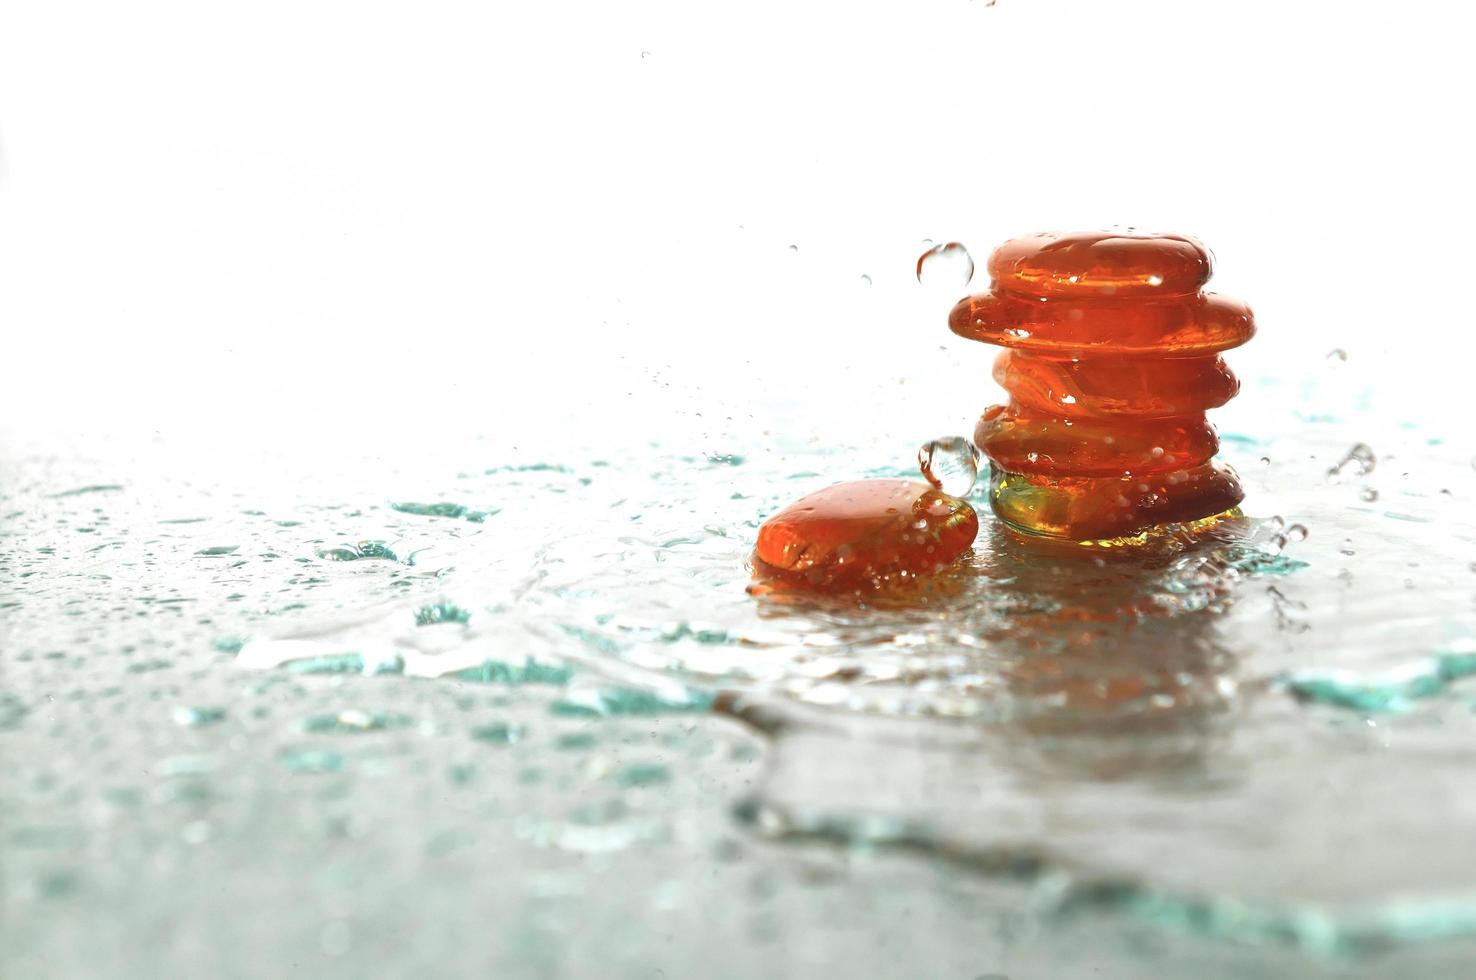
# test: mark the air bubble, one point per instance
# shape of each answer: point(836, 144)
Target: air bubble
point(951, 464)
point(949, 265)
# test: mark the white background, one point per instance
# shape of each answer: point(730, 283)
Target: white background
point(532, 219)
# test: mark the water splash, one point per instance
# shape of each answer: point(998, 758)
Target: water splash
point(951, 464)
point(947, 266)
point(1359, 461)
point(1393, 690)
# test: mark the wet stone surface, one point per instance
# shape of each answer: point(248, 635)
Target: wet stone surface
point(400, 718)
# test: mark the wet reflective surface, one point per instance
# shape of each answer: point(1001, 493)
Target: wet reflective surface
point(459, 699)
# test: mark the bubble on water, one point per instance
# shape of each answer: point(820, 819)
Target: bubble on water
point(1359, 461)
point(951, 464)
point(947, 265)
point(1337, 357)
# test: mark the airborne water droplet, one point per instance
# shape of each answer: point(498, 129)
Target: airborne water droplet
point(1337, 357)
point(949, 265)
point(1360, 461)
point(951, 464)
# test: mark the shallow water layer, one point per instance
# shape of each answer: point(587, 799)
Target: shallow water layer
point(1246, 749)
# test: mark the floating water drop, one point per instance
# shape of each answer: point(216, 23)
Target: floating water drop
point(1337, 357)
point(794, 248)
point(1369, 494)
point(1297, 532)
point(949, 265)
point(865, 279)
point(951, 464)
point(1359, 461)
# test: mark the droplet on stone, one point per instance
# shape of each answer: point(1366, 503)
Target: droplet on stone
point(951, 464)
point(948, 266)
point(866, 533)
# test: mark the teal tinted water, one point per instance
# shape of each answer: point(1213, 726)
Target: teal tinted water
point(454, 713)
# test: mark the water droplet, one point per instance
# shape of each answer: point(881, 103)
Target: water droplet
point(794, 248)
point(499, 733)
point(1265, 460)
point(951, 464)
point(1337, 357)
point(187, 717)
point(1297, 532)
point(639, 774)
point(1369, 494)
point(645, 54)
point(949, 265)
point(865, 279)
point(1359, 461)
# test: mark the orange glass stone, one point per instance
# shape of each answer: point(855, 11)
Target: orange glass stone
point(1111, 362)
point(867, 533)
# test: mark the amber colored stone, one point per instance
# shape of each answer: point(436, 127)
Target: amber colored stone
point(1101, 263)
point(864, 533)
point(1181, 326)
point(1094, 447)
point(1112, 361)
point(1143, 387)
point(1095, 508)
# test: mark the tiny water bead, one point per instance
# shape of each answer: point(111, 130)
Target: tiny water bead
point(950, 464)
point(864, 534)
point(1111, 360)
point(946, 266)
point(1359, 461)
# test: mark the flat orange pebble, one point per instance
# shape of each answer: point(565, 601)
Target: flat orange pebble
point(1111, 360)
point(866, 533)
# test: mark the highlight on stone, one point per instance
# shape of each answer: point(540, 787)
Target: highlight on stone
point(865, 534)
point(1111, 360)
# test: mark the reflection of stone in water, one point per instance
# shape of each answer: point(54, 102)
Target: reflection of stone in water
point(1107, 657)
